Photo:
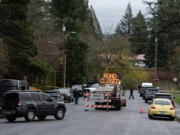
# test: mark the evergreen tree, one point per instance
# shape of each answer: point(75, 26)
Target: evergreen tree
point(139, 35)
point(74, 11)
point(18, 35)
point(4, 60)
point(95, 23)
point(77, 68)
point(40, 17)
point(125, 26)
point(164, 25)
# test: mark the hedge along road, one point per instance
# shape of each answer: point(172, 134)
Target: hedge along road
point(128, 121)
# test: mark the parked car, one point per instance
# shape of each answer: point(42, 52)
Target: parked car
point(149, 94)
point(55, 94)
point(11, 84)
point(143, 88)
point(166, 96)
point(77, 87)
point(161, 107)
point(29, 104)
point(67, 94)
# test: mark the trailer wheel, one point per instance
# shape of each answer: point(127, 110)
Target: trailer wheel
point(117, 105)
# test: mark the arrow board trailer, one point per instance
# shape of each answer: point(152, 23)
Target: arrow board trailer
point(104, 97)
point(108, 99)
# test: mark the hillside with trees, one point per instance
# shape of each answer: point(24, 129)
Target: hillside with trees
point(162, 24)
point(32, 33)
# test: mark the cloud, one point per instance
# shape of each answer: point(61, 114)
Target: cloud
point(110, 12)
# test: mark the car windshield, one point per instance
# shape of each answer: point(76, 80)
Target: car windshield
point(52, 94)
point(64, 91)
point(151, 91)
point(163, 96)
point(78, 87)
point(96, 86)
point(162, 102)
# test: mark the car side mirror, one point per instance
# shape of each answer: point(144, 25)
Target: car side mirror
point(174, 97)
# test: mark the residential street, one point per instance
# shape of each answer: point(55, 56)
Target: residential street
point(128, 121)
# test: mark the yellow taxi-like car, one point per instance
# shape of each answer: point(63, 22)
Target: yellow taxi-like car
point(161, 107)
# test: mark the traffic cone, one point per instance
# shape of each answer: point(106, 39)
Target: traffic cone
point(142, 109)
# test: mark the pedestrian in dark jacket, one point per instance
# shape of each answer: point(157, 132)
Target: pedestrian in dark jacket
point(131, 93)
point(76, 96)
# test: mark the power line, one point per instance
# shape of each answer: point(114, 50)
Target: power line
point(25, 47)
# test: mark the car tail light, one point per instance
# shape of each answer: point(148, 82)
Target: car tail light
point(153, 107)
point(19, 103)
point(172, 108)
point(59, 97)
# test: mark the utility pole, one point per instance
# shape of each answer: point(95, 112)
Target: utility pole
point(156, 57)
point(64, 21)
point(64, 54)
point(64, 49)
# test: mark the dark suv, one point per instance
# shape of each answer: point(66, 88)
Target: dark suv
point(143, 91)
point(149, 94)
point(29, 104)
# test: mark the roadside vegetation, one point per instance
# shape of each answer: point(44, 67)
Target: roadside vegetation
point(31, 42)
point(176, 95)
point(177, 98)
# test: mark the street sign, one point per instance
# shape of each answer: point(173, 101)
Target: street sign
point(109, 78)
point(97, 97)
point(156, 79)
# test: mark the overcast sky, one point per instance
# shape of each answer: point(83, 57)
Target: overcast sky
point(109, 12)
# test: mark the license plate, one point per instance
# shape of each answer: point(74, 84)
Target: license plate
point(162, 112)
point(98, 100)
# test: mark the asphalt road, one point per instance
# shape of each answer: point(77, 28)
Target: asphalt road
point(128, 121)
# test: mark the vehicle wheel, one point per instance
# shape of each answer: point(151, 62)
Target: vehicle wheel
point(172, 118)
point(117, 105)
point(149, 116)
point(60, 113)
point(11, 118)
point(41, 117)
point(125, 104)
point(69, 100)
point(146, 100)
point(30, 115)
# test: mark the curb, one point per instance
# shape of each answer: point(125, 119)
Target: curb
point(178, 118)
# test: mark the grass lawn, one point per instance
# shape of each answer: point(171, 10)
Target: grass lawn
point(177, 98)
point(167, 85)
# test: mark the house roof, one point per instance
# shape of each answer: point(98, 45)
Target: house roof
point(140, 57)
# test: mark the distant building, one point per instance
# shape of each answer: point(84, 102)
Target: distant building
point(139, 60)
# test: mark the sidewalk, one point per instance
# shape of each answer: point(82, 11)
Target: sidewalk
point(178, 112)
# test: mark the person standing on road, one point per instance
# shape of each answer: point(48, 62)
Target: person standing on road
point(131, 93)
point(76, 96)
